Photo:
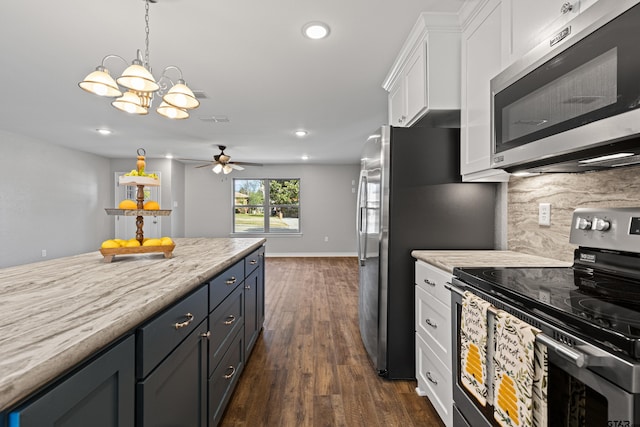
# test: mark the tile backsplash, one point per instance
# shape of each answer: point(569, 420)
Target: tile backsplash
point(565, 192)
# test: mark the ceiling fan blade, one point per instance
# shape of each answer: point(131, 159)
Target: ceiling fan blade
point(235, 166)
point(247, 163)
point(194, 160)
point(203, 166)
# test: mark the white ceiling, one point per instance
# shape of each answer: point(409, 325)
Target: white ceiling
point(248, 56)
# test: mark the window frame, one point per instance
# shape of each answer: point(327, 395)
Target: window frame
point(266, 207)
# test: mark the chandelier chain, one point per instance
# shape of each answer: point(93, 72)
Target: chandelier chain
point(146, 30)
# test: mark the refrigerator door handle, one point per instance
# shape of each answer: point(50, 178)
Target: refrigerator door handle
point(361, 216)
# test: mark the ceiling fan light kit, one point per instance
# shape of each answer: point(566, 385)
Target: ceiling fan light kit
point(177, 98)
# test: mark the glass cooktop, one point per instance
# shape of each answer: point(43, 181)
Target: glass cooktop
point(596, 305)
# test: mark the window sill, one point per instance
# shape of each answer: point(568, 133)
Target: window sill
point(265, 235)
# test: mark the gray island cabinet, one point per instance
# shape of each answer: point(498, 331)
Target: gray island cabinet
point(182, 333)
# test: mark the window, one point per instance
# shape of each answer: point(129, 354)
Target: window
point(266, 206)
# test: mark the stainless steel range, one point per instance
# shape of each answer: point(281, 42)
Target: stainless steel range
point(589, 318)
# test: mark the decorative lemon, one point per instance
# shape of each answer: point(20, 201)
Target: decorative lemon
point(120, 242)
point(151, 205)
point(128, 204)
point(110, 244)
point(152, 242)
point(166, 241)
point(132, 243)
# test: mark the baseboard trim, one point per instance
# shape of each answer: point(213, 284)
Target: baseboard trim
point(309, 254)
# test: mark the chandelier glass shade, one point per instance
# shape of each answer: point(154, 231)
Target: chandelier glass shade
point(131, 103)
point(100, 83)
point(140, 86)
point(172, 112)
point(138, 78)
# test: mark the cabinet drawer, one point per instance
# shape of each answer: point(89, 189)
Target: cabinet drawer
point(433, 324)
point(156, 339)
point(253, 261)
point(224, 379)
point(434, 381)
point(224, 323)
point(432, 280)
point(224, 283)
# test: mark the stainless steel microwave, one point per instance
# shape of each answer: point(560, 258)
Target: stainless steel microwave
point(572, 103)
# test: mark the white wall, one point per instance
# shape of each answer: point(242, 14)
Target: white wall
point(327, 206)
point(177, 204)
point(51, 198)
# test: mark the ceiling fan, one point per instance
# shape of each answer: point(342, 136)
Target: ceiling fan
point(221, 162)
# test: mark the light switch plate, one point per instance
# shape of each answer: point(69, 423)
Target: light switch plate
point(544, 214)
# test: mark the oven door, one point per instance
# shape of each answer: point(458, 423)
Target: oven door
point(576, 395)
point(559, 104)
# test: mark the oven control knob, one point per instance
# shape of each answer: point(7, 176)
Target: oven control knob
point(583, 224)
point(601, 224)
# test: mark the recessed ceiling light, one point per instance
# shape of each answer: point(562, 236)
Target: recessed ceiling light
point(301, 132)
point(169, 156)
point(305, 157)
point(103, 131)
point(316, 30)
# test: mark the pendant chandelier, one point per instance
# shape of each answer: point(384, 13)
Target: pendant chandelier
point(140, 85)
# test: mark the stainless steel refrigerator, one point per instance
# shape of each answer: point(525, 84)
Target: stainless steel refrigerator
point(410, 197)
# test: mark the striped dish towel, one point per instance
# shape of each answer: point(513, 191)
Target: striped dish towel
point(520, 374)
point(473, 346)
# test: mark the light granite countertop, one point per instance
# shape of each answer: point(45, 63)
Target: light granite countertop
point(56, 313)
point(446, 260)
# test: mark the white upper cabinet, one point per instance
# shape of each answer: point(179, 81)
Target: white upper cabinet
point(530, 23)
point(481, 61)
point(425, 77)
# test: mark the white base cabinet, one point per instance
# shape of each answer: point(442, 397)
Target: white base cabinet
point(433, 338)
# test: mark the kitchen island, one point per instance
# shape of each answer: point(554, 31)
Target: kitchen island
point(56, 314)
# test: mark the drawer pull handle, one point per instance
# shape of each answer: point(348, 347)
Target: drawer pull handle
point(430, 378)
point(189, 317)
point(230, 374)
point(566, 8)
point(431, 323)
point(231, 281)
point(230, 319)
point(429, 282)
point(253, 262)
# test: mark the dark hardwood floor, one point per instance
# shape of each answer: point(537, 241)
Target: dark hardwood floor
point(309, 367)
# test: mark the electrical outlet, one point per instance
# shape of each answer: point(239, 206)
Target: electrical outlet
point(44, 253)
point(326, 238)
point(544, 214)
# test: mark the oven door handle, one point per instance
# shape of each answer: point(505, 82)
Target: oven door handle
point(576, 357)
